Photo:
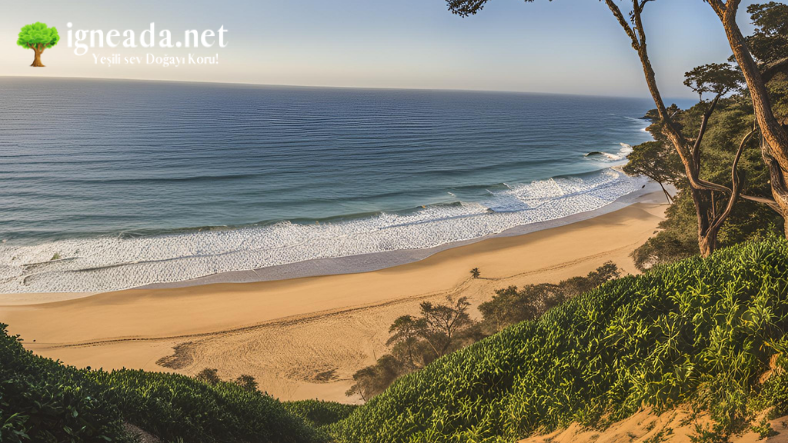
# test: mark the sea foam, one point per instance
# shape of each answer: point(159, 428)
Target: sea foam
point(110, 263)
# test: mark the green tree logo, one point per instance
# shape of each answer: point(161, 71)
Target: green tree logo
point(38, 37)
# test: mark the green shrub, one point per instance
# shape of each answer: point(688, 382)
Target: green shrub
point(318, 412)
point(701, 331)
point(42, 400)
point(174, 406)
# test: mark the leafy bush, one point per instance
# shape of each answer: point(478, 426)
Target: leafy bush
point(318, 412)
point(511, 305)
point(42, 400)
point(701, 331)
point(174, 406)
point(209, 376)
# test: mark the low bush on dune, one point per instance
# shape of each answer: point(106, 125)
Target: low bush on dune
point(702, 332)
point(42, 400)
point(320, 413)
point(173, 406)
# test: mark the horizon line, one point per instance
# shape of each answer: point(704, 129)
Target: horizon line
point(385, 88)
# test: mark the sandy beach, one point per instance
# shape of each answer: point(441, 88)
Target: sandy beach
point(305, 337)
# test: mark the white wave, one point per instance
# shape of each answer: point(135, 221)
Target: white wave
point(104, 264)
point(625, 149)
point(606, 156)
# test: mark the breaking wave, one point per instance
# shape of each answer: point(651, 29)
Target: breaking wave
point(606, 156)
point(121, 262)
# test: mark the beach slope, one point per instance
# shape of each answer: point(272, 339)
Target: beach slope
point(305, 337)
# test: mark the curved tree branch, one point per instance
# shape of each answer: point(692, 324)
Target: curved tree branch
point(769, 70)
point(734, 183)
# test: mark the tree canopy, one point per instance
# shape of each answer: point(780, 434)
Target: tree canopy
point(769, 41)
point(38, 34)
point(715, 78)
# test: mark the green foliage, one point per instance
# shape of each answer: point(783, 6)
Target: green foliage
point(208, 375)
point(700, 331)
point(763, 429)
point(657, 161)
point(320, 413)
point(441, 329)
point(173, 406)
point(42, 400)
point(372, 380)
point(247, 382)
point(715, 78)
point(710, 434)
point(769, 42)
point(445, 324)
point(509, 306)
point(37, 34)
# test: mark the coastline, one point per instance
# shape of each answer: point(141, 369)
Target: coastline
point(376, 261)
point(352, 264)
point(304, 337)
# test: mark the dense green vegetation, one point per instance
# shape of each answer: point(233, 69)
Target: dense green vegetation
point(512, 305)
point(700, 331)
point(318, 412)
point(42, 400)
point(174, 406)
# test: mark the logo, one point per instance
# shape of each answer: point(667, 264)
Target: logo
point(38, 37)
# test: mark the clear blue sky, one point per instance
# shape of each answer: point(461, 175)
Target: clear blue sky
point(565, 46)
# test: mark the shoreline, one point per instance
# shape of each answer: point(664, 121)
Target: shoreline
point(289, 334)
point(353, 264)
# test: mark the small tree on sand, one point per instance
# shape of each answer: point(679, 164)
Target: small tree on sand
point(406, 333)
point(475, 273)
point(247, 382)
point(208, 375)
point(442, 323)
point(38, 37)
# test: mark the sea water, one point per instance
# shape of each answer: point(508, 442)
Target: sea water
point(108, 185)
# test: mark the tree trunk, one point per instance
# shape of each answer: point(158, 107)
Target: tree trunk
point(707, 234)
point(774, 135)
point(708, 243)
point(667, 194)
point(37, 61)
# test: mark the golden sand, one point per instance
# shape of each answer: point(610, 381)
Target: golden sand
point(304, 338)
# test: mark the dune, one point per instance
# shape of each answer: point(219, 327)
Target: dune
point(672, 426)
point(304, 338)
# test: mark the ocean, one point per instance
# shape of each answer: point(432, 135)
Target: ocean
point(108, 185)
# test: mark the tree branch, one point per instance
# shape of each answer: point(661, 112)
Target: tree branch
point(637, 11)
point(703, 125)
point(718, 7)
point(623, 22)
point(732, 7)
point(779, 190)
point(734, 182)
point(769, 70)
